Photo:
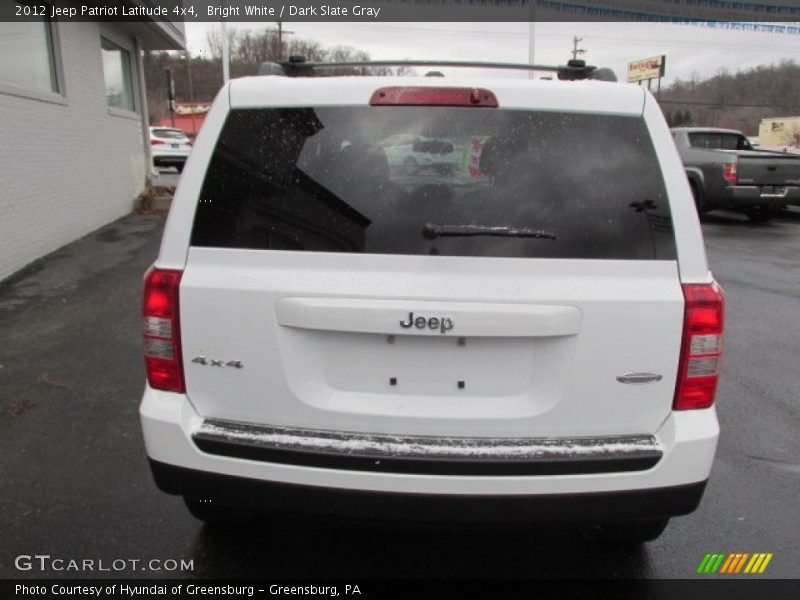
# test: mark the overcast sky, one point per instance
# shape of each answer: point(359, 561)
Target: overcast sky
point(689, 48)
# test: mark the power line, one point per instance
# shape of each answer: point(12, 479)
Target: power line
point(729, 104)
point(607, 38)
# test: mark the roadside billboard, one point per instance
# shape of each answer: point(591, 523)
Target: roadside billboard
point(647, 68)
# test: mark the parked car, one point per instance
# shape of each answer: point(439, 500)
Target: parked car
point(725, 171)
point(169, 147)
point(411, 154)
point(541, 343)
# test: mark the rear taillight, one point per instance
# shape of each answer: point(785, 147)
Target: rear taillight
point(162, 334)
point(157, 143)
point(730, 171)
point(701, 348)
point(433, 96)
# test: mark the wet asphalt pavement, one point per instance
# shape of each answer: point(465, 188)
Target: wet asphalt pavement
point(75, 481)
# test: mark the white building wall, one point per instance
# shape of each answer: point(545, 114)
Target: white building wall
point(778, 131)
point(67, 167)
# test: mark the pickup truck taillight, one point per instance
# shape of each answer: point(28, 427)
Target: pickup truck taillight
point(162, 334)
point(730, 171)
point(701, 348)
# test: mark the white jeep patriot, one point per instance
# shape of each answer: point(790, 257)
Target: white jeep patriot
point(530, 335)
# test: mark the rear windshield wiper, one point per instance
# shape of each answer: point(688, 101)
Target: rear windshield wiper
point(431, 231)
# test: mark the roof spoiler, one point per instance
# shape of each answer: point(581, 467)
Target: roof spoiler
point(297, 66)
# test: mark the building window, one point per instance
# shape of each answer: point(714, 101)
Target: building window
point(117, 73)
point(27, 59)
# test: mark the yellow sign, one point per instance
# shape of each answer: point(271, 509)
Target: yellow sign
point(192, 109)
point(648, 68)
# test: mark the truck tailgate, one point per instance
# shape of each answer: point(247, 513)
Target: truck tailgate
point(762, 168)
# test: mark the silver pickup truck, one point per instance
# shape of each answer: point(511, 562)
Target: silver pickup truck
point(725, 171)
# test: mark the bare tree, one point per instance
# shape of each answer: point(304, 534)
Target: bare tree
point(312, 50)
point(214, 41)
point(404, 71)
point(248, 49)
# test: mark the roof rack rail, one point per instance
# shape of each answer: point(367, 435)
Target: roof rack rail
point(297, 66)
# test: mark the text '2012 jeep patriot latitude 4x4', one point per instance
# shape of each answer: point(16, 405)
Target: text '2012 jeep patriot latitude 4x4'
point(533, 335)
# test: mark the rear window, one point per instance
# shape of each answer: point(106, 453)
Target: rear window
point(719, 141)
point(435, 181)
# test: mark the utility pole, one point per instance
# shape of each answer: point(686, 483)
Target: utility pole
point(191, 89)
point(170, 95)
point(575, 50)
point(226, 61)
point(281, 33)
point(532, 38)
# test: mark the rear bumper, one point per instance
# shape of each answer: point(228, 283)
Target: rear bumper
point(432, 508)
point(427, 455)
point(744, 196)
point(669, 485)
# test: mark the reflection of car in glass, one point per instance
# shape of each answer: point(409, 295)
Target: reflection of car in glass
point(410, 154)
point(169, 147)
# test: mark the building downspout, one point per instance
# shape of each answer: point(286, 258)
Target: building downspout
point(150, 170)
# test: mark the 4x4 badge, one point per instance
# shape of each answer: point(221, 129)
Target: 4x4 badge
point(212, 362)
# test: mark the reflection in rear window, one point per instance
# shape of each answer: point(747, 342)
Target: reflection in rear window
point(381, 179)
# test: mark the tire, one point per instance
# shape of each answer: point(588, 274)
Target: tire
point(410, 166)
point(216, 514)
point(760, 215)
point(630, 533)
point(699, 201)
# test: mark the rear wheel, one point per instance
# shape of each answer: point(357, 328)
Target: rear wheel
point(216, 514)
point(699, 201)
point(633, 532)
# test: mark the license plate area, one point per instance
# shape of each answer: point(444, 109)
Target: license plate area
point(418, 365)
point(771, 191)
point(425, 376)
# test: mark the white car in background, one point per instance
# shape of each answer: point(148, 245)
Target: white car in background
point(411, 154)
point(169, 147)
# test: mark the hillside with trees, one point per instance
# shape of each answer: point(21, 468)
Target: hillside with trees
point(735, 100)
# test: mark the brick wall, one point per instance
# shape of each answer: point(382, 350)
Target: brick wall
point(66, 169)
